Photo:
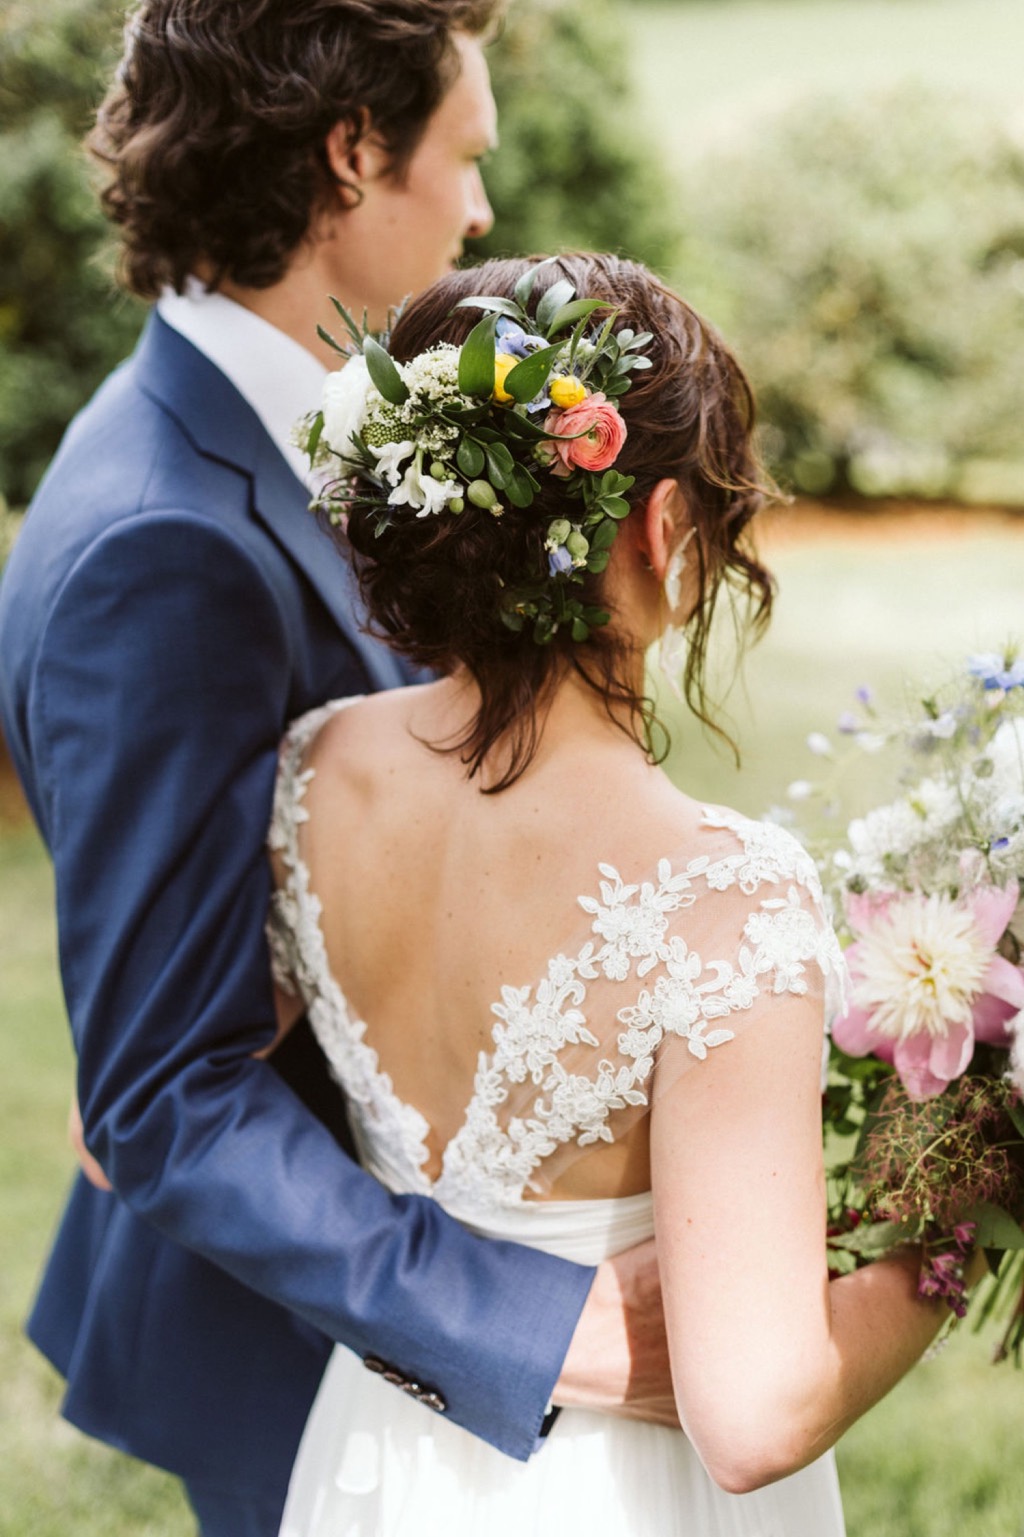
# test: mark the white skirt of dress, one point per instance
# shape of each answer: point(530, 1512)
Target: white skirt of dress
point(374, 1463)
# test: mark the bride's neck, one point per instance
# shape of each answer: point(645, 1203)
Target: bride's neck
point(571, 715)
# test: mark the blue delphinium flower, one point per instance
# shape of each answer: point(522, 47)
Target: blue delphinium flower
point(510, 337)
point(559, 561)
point(996, 671)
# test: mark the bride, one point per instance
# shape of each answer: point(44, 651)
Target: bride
point(563, 998)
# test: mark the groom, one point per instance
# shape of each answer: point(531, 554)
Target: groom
point(169, 606)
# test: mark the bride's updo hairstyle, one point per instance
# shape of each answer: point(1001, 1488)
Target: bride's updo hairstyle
point(433, 585)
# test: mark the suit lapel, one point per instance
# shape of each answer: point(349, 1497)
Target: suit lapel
point(223, 426)
point(281, 502)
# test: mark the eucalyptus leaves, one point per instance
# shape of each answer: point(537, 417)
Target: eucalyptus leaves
point(477, 425)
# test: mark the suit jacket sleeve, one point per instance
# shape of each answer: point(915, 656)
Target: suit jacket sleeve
point(155, 715)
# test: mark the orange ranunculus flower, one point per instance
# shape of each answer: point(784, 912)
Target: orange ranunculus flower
point(603, 434)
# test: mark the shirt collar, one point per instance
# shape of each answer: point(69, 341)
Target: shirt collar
point(274, 373)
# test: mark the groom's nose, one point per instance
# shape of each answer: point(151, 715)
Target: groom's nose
point(480, 214)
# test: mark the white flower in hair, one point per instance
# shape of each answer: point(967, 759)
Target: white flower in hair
point(389, 458)
point(422, 492)
point(344, 404)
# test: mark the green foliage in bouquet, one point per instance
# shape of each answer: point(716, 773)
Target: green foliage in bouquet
point(867, 260)
point(574, 170)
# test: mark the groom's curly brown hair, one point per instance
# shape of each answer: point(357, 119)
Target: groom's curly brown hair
point(212, 134)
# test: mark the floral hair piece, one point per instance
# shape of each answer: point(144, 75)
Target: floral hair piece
point(478, 424)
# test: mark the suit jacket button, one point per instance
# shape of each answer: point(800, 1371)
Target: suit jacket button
point(374, 1364)
point(433, 1400)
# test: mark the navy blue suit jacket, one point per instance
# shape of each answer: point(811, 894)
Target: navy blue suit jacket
point(169, 606)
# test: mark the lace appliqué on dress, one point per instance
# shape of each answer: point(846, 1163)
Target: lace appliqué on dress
point(691, 999)
point(300, 964)
point(576, 1080)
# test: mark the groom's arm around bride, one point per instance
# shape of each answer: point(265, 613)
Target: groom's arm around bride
point(169, 607)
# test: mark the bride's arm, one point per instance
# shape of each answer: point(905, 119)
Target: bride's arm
point(771, 1362)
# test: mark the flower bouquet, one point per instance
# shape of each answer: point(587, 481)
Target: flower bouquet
point(926, 1074)
point(473, 430)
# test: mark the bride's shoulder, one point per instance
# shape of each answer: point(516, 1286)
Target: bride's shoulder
point(723, 848)
point(766, 844)
point(338, 730)
point(729, 874)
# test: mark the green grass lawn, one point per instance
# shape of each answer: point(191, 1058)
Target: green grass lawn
point(942, 1457)
point(53, 1482)
point(703, 67)
point(872, 604)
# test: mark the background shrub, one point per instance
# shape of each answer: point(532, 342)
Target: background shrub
point(867, 259)
point(574, 169)
point(62, 324)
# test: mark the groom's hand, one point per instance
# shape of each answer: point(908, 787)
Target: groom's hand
point(618, 1359)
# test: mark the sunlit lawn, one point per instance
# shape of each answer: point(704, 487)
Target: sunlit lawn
point(703, 67)
point(944, 1455)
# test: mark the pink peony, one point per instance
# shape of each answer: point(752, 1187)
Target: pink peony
point(590, 436)
point(927, 982)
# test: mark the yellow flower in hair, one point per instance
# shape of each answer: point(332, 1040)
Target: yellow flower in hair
point(567, 392)
point(503, 366)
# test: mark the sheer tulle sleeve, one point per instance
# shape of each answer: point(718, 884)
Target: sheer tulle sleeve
point(759, 939)
point(669, 968)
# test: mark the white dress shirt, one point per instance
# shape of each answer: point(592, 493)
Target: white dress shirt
point(277, 376)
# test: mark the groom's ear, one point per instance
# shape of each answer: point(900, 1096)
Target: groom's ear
point(355, 157)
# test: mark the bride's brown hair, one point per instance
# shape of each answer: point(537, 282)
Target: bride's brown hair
point(432, 585)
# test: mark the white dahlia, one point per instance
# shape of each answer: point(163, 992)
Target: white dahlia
point(920, 970)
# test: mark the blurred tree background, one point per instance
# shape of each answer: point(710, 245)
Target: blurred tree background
point(573, 170)
point(63, 325)
point(849, 209)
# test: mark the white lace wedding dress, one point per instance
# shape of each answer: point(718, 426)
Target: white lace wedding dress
point(573, 1063)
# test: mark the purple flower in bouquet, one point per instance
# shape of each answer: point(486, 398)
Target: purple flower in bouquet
point(996, 671)
point(928, 982)
point(511, 338)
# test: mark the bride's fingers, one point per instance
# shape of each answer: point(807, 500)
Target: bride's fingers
point(618, 1359)
point(76, 1136)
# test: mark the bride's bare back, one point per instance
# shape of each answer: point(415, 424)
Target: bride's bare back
point(453, 926)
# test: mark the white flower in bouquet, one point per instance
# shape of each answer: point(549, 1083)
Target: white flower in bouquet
point(423, 492)
point(886, 830)
point(1006, 754)
point(434, 375)
point(919, 970)
point(344, 404)
point(928, 981)
point(389, 457)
